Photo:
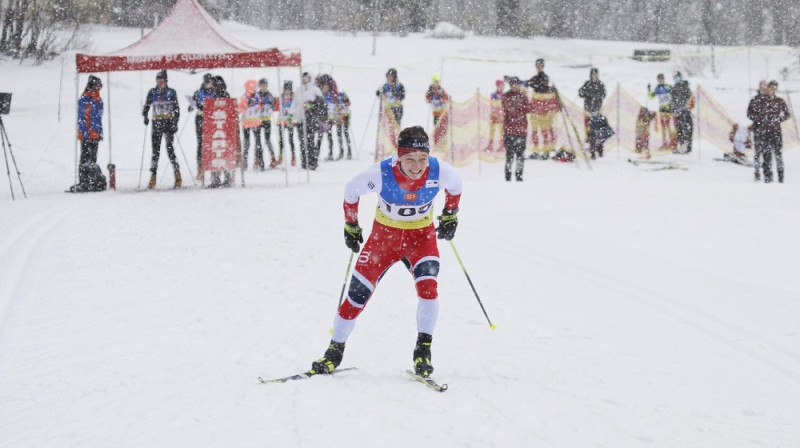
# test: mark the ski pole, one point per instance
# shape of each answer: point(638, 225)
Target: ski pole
point(185, 160)
point(344, 285)
point(346, 275)
point(574, 129)
point(141, 163)
point(491, 325)
point(366, 127)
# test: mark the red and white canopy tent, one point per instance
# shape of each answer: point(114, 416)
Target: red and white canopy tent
point(187, 38)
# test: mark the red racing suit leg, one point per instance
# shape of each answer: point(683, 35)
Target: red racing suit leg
point(385, 247)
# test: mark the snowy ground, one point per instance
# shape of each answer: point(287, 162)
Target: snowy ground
point(634, 308)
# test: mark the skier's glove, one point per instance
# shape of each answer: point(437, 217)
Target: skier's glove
point(173, 127)
point(448, 222)
point(146, 121)
point(352, 236)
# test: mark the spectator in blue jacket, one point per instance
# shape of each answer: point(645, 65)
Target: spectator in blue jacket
point(206, 90)
point(90, 132)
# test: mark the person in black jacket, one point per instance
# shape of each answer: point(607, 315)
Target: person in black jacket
point(767, 113)
point(593, 93)
point(166, 114)
point(757, 147)
point(680, 103)
point(540, 82)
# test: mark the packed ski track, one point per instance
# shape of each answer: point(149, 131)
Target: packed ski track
point(634, 307)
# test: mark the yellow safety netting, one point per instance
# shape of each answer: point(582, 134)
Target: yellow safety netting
point(472, 130)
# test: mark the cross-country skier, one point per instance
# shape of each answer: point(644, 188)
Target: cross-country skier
point(285, 120)
point(268, 104)
point(663, 93)
point(403, 230)
point(343, 130)
point(206, 90)
point(166, 115)
point(392, 94)
point(437, 97)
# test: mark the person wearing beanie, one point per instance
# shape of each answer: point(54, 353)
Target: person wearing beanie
point(166, 115)
point(267, 104)
point(207, 90)
point(593, 93)
point(310, 115)
point(496, 115)
point(681, 101)
point(437, 97)
point(285, 119)
point(343, 129)
point(545, 106)
point(516, 107)
point(767, 113)
point(540, 82)
point(250, 119)
point(757, 147)
point(403, 231)
point(90, 132)
point(392, 93)
point(663, 92)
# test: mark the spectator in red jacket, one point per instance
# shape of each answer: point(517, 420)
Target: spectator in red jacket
point(516, 107)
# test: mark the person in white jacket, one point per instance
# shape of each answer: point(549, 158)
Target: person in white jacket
point(308, 111)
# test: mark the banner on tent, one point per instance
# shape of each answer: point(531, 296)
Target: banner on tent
point(221, 146)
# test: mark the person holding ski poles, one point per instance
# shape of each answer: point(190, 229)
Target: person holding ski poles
point(407, 185)
point(285, 120)
point(166, 115)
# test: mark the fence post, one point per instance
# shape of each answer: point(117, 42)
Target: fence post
point(478, 121)
point(699, 127)
point(619, 148)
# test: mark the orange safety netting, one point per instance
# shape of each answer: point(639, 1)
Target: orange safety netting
point(473, 130)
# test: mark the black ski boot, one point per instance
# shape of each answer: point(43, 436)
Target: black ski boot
point(330, 360)
point(422, 355)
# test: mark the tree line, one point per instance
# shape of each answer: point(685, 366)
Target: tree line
point(42, 28)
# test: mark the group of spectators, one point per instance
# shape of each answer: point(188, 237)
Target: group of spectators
point(323, 109)
point(320, 109)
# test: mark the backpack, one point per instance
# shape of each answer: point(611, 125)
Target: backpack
point(91, 178)
point(601, 130)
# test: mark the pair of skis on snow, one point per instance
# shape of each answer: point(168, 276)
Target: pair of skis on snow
point(429, 382)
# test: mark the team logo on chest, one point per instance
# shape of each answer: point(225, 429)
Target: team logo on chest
point(411, 197)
